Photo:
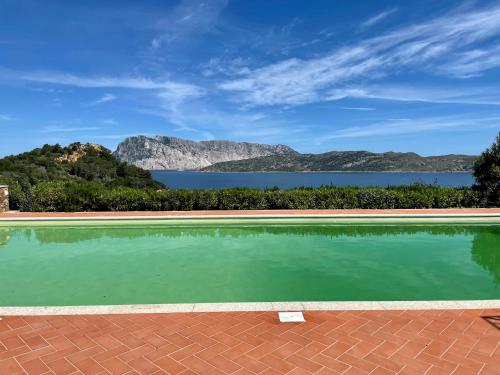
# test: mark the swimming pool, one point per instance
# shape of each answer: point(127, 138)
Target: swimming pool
point(72, 263)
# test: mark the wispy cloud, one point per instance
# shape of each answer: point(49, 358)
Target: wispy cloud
point(200, 121)
point(225, 66)
point(377, 18)
point(64, 129)
point(435, 94)
point(190, 17)
point(449, 41)
point(471, 63)
point(410, 126)
point(119, 136)
point(163, 96)
point(358, 108)
point(139, 83)
point(103, 99)
point(173, 92)
point(5, 117)
point(110, 121)
point(197, 117)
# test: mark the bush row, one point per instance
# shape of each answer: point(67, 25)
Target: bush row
point(78, 196)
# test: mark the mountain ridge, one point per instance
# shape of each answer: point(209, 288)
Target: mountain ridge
point(173, 153)
point(350, 161)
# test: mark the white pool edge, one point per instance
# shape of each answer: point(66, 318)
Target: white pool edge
point(257, 216)
point(249, 306)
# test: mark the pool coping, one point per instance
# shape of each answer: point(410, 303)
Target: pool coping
point(249, 306)
point(247, 214)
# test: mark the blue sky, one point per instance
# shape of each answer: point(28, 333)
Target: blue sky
point(318, 75)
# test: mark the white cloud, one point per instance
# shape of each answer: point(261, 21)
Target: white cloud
point(163, 96)
point(409, 126)
point(359, 108)
point(64, 129)
point(377, 18)
point(174, 92)
point(110, 121)
point(196, 116)
point(156, 43)
point(139, 83)
point(202, 121)
point(190, 17)
point(471, 63)
point(434, 94)
point(119, 136)
point(225, 66)
point(433, 46)
point(103, 99)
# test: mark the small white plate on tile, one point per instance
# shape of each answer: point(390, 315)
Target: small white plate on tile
point(291, 317)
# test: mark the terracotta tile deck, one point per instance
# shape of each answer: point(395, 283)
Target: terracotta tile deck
point(341, 342)
point(444, 211)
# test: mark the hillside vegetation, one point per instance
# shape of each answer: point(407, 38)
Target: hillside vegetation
point(357, 161)
point(89, 178)
point(76, 163)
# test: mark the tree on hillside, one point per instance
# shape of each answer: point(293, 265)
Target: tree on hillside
point(487, 173)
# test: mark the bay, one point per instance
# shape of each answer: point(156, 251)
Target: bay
point(288, 180)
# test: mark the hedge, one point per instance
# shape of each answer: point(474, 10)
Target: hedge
point(77, 196)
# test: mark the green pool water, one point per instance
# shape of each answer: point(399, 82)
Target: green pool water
point(183, 262)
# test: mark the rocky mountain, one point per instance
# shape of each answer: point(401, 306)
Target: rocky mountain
point(349, 161)
point(171, 153)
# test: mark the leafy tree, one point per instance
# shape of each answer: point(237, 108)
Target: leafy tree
point(487, 173)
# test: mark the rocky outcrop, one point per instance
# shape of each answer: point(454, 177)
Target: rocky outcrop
point(4, 198)
point(80, 150)
point(171, 153)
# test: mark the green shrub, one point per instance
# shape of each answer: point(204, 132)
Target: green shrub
point(241, 199)
point(49, 196)
point(335, 198)
point(173, 200)
point(206, 199)
point(291, 199)
point(376, 198)
point(487, 173)
point(128, 199)
point(93, 196)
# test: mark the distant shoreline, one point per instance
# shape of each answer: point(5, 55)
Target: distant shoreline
point(227, 172)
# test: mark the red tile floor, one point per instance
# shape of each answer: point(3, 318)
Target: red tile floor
point(337, 342)
point(250, 213)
